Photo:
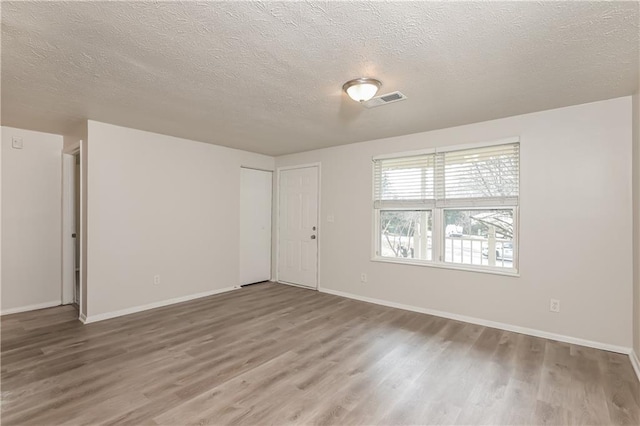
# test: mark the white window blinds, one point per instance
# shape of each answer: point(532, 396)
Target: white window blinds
point(404, 182)
point(484, 176)
point(479, 176)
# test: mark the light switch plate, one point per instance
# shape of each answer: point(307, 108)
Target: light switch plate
point(16, 142)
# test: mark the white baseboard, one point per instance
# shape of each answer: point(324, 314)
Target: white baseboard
point(31, 307)
point(486, 323)
point(633, 356)
point(298, 285)
point(134, 309)
point(83, 318)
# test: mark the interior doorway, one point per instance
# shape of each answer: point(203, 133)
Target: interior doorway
point(72, 242)
point(76, 230)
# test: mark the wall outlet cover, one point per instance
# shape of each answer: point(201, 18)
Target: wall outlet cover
point(16, 142)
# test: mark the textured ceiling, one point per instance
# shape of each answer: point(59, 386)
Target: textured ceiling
point(267, 76)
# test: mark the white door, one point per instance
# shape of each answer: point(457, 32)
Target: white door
point(255, 226)
point(76, 232)
point(69, 229)
point(298, 226)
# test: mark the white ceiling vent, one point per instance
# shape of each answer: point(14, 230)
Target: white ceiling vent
point(385, 99)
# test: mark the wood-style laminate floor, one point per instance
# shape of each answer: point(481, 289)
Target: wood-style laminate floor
point(273, 354)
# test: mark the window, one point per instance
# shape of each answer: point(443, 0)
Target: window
point(468, 235)
point(406, 233)
point(455, 207)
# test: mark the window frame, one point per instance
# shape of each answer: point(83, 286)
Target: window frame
point(438, 234)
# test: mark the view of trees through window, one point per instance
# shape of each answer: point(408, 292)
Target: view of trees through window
point(406, 233)
point(479, 237)
point(470, 236)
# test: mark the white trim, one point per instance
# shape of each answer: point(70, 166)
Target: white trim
point(412, 153)
point(319, 226)
point(276, 219)
point(508, 272)
point(486, 323)
point(134, 309)
point(635, 363)
point(318, 165)
point(84, 188)
point(83, 318)
point(256, 168)
point(298, 285)
point(440, 149)
point(82, 275)
point(299, 166)
point(27, 308)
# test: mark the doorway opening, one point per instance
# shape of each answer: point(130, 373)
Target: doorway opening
point(72, 228)
point(76, 230)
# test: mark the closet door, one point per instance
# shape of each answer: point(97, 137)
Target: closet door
point(255, 225)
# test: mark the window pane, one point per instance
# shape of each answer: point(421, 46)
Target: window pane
point(479, 237)
point(405, 234)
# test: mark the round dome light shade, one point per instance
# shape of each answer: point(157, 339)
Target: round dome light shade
point(362, 89)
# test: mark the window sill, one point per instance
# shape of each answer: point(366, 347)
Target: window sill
point(456, 267)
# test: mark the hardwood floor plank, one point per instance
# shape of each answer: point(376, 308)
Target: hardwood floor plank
point(278, 355)
point(620, 394)
point(548, 414)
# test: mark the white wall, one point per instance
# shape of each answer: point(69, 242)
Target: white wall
point(31, 220)
point(159, 205)
point(575, 226)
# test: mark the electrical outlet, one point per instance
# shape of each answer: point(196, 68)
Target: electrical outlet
point(554, 305)
point(363, 277)
point(156, 279)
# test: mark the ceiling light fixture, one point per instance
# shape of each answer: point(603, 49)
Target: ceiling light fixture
point(362, 89)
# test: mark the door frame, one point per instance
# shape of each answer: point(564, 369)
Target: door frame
point(68, 200)
point(279, 170)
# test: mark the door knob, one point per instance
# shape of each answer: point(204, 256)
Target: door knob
point(313, 237)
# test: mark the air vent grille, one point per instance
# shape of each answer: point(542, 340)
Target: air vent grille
point(385, 99)
point(391, 97)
